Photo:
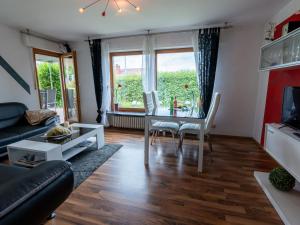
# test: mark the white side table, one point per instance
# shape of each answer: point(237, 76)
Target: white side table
point(44, 150)
point(41, 151)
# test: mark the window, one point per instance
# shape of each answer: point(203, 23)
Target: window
point(126, 81)
point(176, 76)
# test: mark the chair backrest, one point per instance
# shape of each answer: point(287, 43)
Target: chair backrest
point(212, 112)
point(43, 99)
point(148, 102)
point(71, 98)
point(155, 99)
point(51, 97)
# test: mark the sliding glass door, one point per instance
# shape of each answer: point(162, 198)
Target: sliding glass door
point(57, 83)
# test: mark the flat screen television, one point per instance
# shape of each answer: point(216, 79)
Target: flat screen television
point(291, 107)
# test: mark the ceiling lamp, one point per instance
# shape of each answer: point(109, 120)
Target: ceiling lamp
point(83, 9)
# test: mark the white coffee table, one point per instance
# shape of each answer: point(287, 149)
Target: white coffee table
point(47, 150)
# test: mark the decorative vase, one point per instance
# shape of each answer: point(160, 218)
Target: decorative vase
point(282, 179)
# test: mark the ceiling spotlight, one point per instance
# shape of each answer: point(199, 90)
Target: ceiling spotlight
point(81, 10)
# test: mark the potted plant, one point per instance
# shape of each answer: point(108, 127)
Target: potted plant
point(282, 179)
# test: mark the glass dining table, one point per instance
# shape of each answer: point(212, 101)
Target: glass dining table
point(191, 115)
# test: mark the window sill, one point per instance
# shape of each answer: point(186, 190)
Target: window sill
point(122, 113)
point(131, 110)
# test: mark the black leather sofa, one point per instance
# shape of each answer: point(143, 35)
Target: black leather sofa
point(29, 196)
point(14, 127)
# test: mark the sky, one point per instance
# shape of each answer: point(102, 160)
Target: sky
point(167, 62)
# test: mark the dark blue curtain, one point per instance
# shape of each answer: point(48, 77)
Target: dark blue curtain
point(95, 48)
point(208, 55)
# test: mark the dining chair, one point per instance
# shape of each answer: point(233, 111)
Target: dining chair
point(148, 102)
point(155, 99)
point(157, 126)
point(51, 98)
point(43, 99)
point(191, 128)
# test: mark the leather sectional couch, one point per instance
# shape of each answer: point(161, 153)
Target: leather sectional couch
point(14, 127)
point(30, 196)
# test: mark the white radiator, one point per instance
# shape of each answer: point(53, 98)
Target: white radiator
point(126, 121)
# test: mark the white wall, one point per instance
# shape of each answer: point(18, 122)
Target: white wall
point(19, 57)
point(260, 105)
point(86, 82)
point(280, 16)
point(14, 51)
point(286, 11)
point(237, 79)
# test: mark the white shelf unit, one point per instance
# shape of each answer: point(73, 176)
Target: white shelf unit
point(284, 146)
point(281, 53)
point(287, 204)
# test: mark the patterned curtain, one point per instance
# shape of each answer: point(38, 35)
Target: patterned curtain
point(208, 43)
point(95, 48)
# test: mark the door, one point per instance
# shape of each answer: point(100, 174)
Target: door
point(57, 83)
point(49, 81)
point(70, 87)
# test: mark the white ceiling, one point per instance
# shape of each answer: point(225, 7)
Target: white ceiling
point(61, 19)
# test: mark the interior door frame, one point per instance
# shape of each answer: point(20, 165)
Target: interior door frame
point(74, 56)
point(62, 74)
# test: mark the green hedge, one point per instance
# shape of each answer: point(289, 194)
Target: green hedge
point(172, 84)
point(168, 84)
point(45, 81)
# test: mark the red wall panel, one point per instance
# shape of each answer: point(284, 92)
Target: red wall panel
point(278, 80)
point(278, 29)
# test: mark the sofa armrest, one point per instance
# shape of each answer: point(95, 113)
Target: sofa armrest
point(40, 191)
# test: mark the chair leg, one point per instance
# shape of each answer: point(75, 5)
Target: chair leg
point(153, 137)
point(156, 135)
point(209, 142)
point(181, 137)
point(173, 137)
point(174, 142)
point(179, 142)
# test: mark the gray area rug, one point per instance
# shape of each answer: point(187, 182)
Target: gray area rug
point(85, 163)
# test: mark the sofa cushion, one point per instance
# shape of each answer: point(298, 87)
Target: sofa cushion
point(7, 137)
point(26, 131)
point(8, 172)
point(11, 113)
point(19, 189)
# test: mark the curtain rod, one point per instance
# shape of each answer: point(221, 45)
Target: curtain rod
point(143, 33)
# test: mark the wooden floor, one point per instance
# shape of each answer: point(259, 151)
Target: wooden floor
point(123, 191)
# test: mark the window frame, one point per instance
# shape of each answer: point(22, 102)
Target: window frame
point(128, 53)
point(111, 55)
point(168, 51)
